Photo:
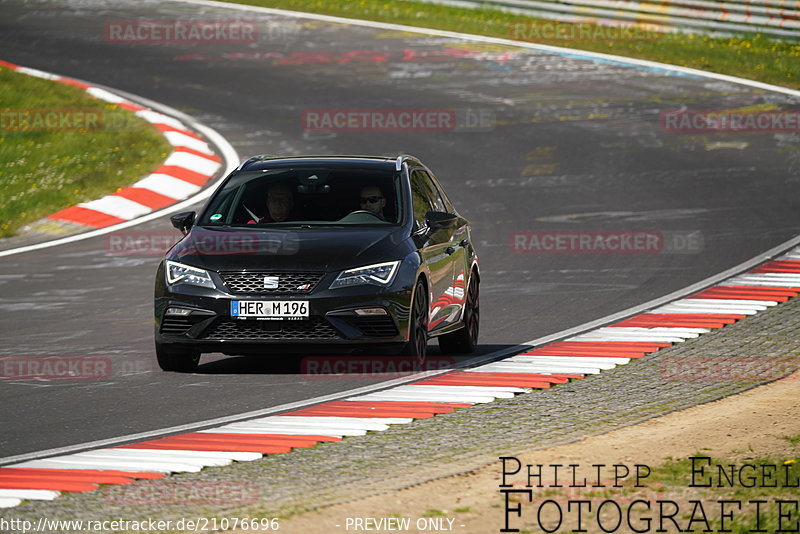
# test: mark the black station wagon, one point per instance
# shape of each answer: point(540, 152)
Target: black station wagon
point(319, 253)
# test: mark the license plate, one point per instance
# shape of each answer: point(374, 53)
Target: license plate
point(269, 309)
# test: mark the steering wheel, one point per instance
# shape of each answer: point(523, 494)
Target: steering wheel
point(356, 216)
point(364, 211)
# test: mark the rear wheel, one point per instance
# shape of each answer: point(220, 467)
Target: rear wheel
point(182, 361)
point(417, 345)
point(465, 339)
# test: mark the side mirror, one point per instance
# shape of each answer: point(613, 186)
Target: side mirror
point(183, 221)
point(437, 220)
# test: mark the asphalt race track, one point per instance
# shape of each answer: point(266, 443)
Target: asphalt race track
point(544, 142)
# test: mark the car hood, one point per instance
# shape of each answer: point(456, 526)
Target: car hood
point(293, 249)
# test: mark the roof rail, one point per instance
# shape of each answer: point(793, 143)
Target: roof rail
point(253, 159)
point(398, 166)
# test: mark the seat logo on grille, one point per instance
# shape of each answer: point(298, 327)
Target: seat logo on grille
point(270, 282)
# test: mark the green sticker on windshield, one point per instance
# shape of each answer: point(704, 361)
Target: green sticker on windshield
point(216, 217)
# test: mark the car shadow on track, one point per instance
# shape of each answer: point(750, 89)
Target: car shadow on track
point(341, 365)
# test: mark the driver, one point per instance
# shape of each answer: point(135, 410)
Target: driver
point(372, 199)
point(280, 202)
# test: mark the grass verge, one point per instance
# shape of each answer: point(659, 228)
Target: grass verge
point(754, 57)
point(59, 146)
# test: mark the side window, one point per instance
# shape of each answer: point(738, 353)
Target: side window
point(419, 197)
point(440, 200)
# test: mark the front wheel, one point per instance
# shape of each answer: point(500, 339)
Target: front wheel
point(465, 339)
point(181, 361)
point(417, 345)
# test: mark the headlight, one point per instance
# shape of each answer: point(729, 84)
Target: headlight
point(178, 273)
point(380, 274)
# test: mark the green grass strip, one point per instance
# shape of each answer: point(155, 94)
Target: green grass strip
point(88, 148)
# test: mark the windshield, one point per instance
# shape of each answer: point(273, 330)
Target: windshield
point(305, 196)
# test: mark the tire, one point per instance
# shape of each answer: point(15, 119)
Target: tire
point(417, 345)
point(465, 340)
point(181, 361)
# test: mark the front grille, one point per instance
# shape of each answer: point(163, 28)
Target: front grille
point(381, 326)
point(253, 282)
point(315, 328)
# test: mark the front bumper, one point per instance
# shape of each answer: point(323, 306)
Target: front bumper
point(332, 322)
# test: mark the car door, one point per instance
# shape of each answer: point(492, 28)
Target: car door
point(459, 246)
point(436, 251)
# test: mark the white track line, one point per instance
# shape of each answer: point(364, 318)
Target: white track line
point(69, 462)
point(755, 280)
point(287, 423)
point(506, 391)
point(29, 494)
point(285, 431)
point(534, 358)
point(567, 361)
point(681, 309)
point(165, 456)
point(687, 332)
point(193, 162)
point(38, 73)
point(642, 338)
point(520, 367)
point(179, 139)
point(105, 95)
point(345, 422)
point(488, 369)
point(117, 206)
point(159, 118)
point(744, 303)
point(167, 185)
point(390, 395)
point(180, 453)
point(338, 419)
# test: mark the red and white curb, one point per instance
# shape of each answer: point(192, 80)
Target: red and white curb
point(186, 170)
point(542, 367)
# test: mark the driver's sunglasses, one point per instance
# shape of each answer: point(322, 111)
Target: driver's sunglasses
point(370, 200)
